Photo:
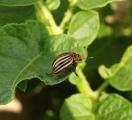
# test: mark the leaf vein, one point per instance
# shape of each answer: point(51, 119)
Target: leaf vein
point(25, 67)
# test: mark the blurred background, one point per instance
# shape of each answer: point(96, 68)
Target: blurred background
point(40, 102)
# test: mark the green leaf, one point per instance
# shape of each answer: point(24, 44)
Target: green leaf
point(77, 107)
point(89, 4)
point(16, 14)
point(53, 4)
point(84, 27)
point(113, 107)
point(17, 2)
point(19, 49)
point(120, 75)
point(26, 51)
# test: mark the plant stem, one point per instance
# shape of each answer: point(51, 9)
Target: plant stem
point(66, 18)
point(102, 87)
point(83, 86)
point(68, 14)
point(46, 17)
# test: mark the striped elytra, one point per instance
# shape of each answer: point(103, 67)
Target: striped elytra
point(63, 61)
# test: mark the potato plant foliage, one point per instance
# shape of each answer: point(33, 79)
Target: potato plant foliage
point(34, 32)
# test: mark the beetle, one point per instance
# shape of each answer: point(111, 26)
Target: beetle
point(63, 61)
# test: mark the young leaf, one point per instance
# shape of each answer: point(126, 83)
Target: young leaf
point(120, 75)
point(16, 14)
point(26, 51)
point(113, 107)
point(53, 4)
point(89, 4)
point(17, 2)
point(77, 107)
point(84, 27)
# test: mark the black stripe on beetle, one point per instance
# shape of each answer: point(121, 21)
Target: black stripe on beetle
point(63, 61)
